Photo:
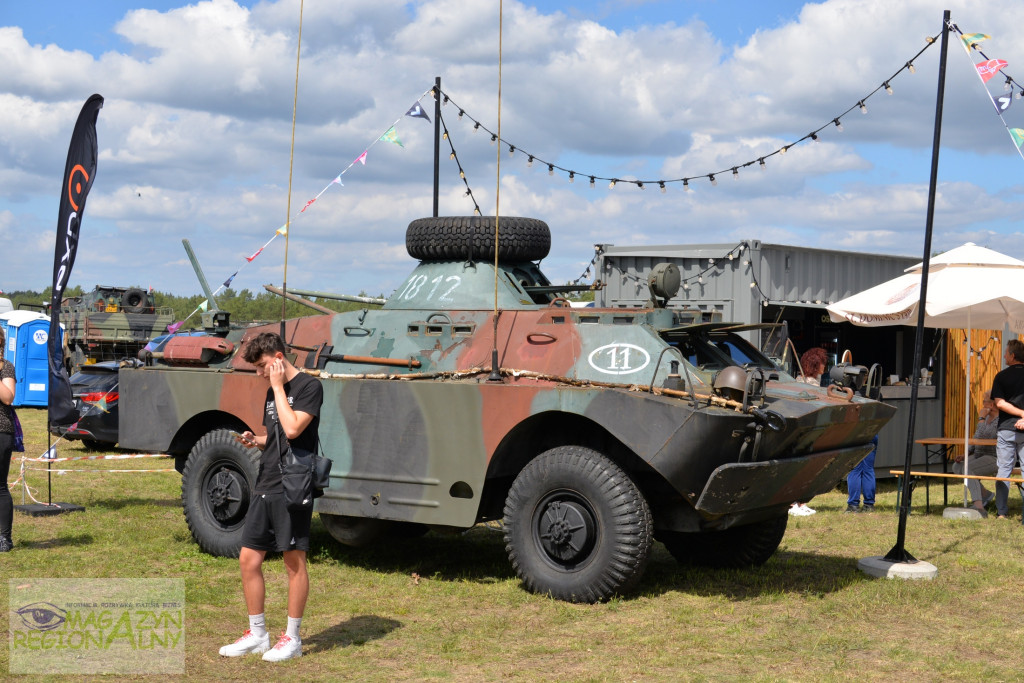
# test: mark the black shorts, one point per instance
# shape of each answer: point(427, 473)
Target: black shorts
point(270, 526)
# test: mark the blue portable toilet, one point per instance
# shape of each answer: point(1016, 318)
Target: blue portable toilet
point(27, 334)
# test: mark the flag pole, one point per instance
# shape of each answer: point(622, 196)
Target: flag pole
point(437, 142)
point(898, 553)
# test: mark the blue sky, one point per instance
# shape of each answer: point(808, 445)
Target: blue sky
point(195, 133)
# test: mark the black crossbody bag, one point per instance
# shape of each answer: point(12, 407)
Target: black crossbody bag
point(304, 474)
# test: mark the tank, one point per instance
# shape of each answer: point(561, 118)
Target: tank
point(476, 393)
point(110, 323)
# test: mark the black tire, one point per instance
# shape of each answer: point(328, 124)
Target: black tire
point(749, 545)
point(449, 238)
point(134, 301)
point(576, 526)
point(216, 486)
point(355, 532)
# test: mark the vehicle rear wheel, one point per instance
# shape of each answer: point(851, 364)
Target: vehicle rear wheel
point(355, 531)
point(749, 545)
point(576, 526)
point(216, 486)
point(462, 237)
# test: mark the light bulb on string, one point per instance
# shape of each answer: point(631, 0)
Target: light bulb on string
point(572, 176)
point(888, 88)
point(551, 169)
point(476, 211)
point(452, 156)
point(753, 284)
point(910, 67)
point(735, 173)
point(686, 286)
point(461, 112)
point(640, 185)
point(445, 136)
point(863, 107)
point(592, 181)
point(700, 279)
point(711, 261)
point(511, 150)
point(1008, 85)
point(1020, 94)
point(462, 174)
point(612, 183)
point(476, 126)
point(661, 184)
point(760, 162)
point(686, 185)
point(814, 136)
point(529, 162)
point(711, 177)
point(785, 148)
point(444, 102)
point(493, 138)
point(839, 126)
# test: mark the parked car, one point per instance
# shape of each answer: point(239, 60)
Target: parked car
point(96, 392)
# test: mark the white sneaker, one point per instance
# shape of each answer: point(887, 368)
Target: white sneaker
point(286, 648)
point(249, 642)
point(806, 511)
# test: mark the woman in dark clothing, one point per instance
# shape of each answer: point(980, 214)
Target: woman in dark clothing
point(6, 445)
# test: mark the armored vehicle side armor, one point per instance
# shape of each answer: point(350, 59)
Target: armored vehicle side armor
point(591, 438)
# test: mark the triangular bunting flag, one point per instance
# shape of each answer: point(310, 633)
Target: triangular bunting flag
point(307, 204)
point(416, 111)
point(1018, 136)
point(972, 38)
point(258, 252)
point(390, 135)
point(283, 230)
point(361, 159)
point(1002, 102)
point(227, 283)
point(174, 327)
point(203, 306)
point(338, 180)
point(990, 68)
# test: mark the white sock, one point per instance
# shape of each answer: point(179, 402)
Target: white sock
point(293, 628)
point(258, 625)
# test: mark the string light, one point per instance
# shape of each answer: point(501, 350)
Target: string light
point(910, 67)
point(814, 136)
point(839, 126)
point(735, 173)
point(444, 102)
point(591, 181)
point(1020, 94)
point(863, 107)
point(461, 113)
point(529, 162)
point(511, 150)
point(1008, 85)
point(686, 185)
point(445, 136)
point(551, 169)
point(761, 163)
point(612, 183)
point(711, 177)
point(476, 126)
point(572, 176)
point(888, 88)
point(639, 185)
point(493, 138)
point(661, 184)
point(784, 150)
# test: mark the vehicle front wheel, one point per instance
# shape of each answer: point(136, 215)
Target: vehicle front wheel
point(749, 545)
point(355, 532)
point(216, 486)
point(576, 526)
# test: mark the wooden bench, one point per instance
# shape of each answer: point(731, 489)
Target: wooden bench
point(917, 474)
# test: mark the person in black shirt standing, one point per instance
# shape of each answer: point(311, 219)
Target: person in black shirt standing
point(6, 446)
point(1008, 394)
point(292, 412)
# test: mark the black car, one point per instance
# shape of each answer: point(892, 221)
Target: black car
point(95, 391)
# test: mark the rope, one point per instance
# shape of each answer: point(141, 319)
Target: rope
point(497, 179)
point(291, 163)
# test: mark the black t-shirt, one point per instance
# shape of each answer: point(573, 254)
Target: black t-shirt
point(1009, 386)
point(305, 395)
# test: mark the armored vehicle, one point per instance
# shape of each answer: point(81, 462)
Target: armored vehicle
point(110, 323)
point(476, 393)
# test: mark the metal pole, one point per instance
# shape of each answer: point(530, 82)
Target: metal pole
point(437, 140)
point(898, 552)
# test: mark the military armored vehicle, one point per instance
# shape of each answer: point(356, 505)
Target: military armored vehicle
point(476, 393)
point(110, 323)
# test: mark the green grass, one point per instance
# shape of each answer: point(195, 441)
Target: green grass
point(447, 607)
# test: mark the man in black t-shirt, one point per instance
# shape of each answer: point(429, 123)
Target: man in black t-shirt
point(291, 412)
point(1008, 395)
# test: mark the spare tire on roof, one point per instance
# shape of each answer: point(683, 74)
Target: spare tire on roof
point(134, 301)
point(448, 238)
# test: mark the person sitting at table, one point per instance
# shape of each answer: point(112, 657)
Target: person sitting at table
point(981, 460)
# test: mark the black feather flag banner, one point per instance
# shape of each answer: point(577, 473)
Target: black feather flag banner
point(79, 174)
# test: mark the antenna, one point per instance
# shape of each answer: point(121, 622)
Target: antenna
point(495, 375)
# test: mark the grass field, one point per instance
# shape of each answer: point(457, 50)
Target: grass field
point(448, 607)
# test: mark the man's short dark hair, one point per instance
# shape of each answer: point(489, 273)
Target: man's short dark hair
point(264, 343)
point(1016, 349)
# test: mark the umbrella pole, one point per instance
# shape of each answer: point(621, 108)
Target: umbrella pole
point(967, 408)
point(898, 553)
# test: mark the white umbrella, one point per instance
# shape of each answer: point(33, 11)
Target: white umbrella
point(968, 287)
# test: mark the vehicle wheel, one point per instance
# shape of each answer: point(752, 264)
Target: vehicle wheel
point(749, 545)
point(355, 531)
point(94, 445)
point(216, 486)
point(463, 237)
point(134, 301)
point(576, 526)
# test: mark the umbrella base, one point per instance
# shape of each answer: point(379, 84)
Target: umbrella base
point(961, 513)
point(886, 569)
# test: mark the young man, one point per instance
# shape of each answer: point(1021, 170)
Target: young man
point(292, 411)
